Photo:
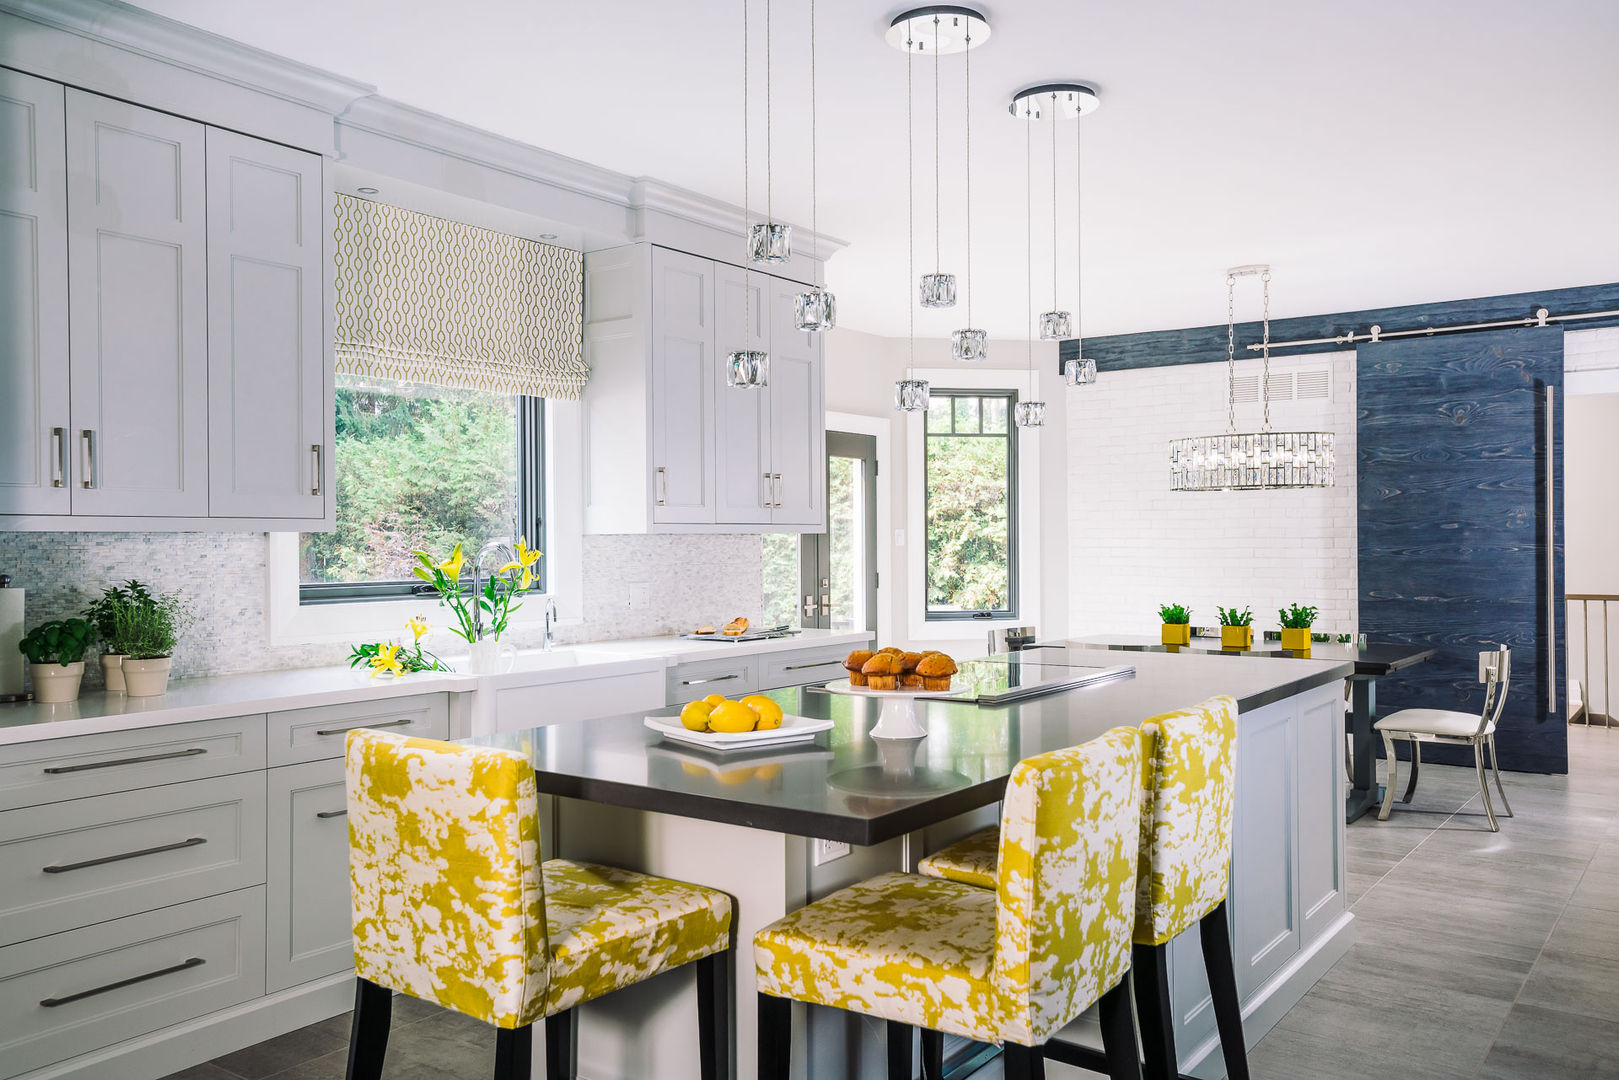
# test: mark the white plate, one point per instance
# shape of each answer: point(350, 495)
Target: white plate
point(794, 729)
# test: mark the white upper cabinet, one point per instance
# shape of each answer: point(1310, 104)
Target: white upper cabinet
point(266, 360)
point(682, 388)
point(138, 289)
point(797, 415)
point(33, 298)
point(743, 479)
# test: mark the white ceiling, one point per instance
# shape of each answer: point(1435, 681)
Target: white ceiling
point(1377, 152)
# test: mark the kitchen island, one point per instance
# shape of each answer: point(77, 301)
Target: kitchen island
point(778, 828)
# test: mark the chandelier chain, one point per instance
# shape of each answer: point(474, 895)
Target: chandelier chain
point(1265, 351)
point(1231, 351)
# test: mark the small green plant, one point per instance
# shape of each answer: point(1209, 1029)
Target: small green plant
point(1233, 617)
point(112, 610)
point(1343, 639)
point(1297, 618)
point(1175, 614)
point(59, 642)
point(139, 624)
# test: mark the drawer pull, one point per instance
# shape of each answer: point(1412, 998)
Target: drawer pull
point(58, 770)
point(801, 667)
point(716, 678)
point(324, 814)
point(194, 841)
point(51, 1003)
point(357, 727)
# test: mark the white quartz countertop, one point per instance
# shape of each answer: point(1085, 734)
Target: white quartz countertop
point(302, 688)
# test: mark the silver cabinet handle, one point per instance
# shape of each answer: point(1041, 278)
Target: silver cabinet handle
point(777, 488)
point(716, 678)
point(58, 770)
point(87, 441)
point(58, 457)
point(314, 484)
point(663, 485)
point(356, 727)
point(53, 1002)
point(325, 814)
point(801, 667)
point(767, 504)
point(1551, 552)
point(105, 859)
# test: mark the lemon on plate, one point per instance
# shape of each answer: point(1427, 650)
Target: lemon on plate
point(732, 717)
point(695, 715)
point(714, 701)
point(768, 712)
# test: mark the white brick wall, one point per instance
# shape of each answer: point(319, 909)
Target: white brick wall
point(1135, 544)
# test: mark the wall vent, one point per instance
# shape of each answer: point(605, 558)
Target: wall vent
point(1313, 385)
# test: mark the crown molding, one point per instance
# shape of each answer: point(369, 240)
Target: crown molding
point(649, 194)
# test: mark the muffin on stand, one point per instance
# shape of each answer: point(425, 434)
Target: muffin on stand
point(857, 660)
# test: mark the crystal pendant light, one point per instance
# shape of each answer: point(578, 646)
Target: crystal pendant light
point(815, 309)
point(938, 289)
point(1030, 413)
point(1262, 459)
point(745, 368)
point(769, 241)
point(1054, 325)
point(1079, 372)
point(910, 393)
point(969, 345)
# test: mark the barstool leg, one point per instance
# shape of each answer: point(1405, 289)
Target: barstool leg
point(1028, 1063)
point(514, 1053)
point(1149, 971)
point(1118, 1033)
point(368, 1035)
point(775, 1037)
point(1416, 767)
point(899, 1050)
point(1216, 935)
point(561, 1052)
point(932, 1054)
point(714, 1015)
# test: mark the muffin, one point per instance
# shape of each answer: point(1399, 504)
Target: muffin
point(936, 669)
point(882, 671)
point(908, 678)
point(854, 663)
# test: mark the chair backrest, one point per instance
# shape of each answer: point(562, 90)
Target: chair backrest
point(1066, 882)
point(444, 875)
point(1495, 672)
point(1187, 782)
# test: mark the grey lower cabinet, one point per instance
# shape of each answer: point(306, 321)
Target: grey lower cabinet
point(307, 900)
point(733, 676)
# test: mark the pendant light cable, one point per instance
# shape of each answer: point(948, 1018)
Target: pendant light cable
point(938, 195)
point(1079, 236)
point(815, 206)
point(1053, 200)
point(770, 150)
point(910, 211)
point(967, 116)
point(1028, 233)
point(747, 218)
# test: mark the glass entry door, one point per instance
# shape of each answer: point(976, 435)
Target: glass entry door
point(836, 570)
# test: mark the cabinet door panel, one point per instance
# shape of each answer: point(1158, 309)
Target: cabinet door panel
point(1264, 872)
point(266, 357)
point(138, 282)
point(797, 415)
point(33, 297)
point(308, 932)
point(742, 449)
point(682, 388)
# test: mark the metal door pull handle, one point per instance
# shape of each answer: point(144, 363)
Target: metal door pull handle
point(801, 667)
point(357, 727)
point(51, 1003)
point(716, 678)
point(324, 814)
point(105, 859)
point(59, 457)
point(58, 770)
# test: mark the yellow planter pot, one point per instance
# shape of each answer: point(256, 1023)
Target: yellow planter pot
point(1237, 637)
point(1296, 640)
point(1177, 633)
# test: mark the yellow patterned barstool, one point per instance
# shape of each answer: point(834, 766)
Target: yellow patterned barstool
point(453, 905)
point(1185, 854)
point(1012, 966)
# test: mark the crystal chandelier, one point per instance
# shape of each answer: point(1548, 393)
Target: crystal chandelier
point(749, 369)
point(769, 241)
point(1262, 459)
point(815, 309)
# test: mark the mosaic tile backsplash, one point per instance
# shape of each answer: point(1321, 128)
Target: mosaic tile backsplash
point(634, 586)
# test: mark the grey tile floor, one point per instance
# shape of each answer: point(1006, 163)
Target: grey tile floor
point(1478, 955)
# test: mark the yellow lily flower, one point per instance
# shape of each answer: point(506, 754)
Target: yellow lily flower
point(526, 558)
point(419, 626)
point(452, 565)
point(387, 660)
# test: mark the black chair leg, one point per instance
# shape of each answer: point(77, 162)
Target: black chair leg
point(561, 1046)
point(514, 1053)
point(775, 1037)
point(932, 1054)
point(368, 1036)
point(714, 1015)
point(1149, 971)
point(899, 1050)
point(1025, 1062)
point(1216, 935)
point(1119, 1033)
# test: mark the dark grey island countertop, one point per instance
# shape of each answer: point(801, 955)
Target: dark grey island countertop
point(848, 786)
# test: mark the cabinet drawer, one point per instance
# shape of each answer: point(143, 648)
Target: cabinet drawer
point(307, 928)
point(313, 734)
point(113, 855)
point(729, 675)
point(798, 668)
point(70, 993)
point(57, 769)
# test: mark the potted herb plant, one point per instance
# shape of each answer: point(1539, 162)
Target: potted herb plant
point(1296, 622)
point(1177, 620)
point(107, 613)
point(1236, 628)
point(146, 628)
point(55, 652)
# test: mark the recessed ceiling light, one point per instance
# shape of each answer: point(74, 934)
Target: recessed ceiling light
point(366, 190)
point(548, 236)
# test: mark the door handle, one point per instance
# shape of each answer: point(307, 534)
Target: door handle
point(58, 457)
point(387, 723)
point(662, 486)
point(809, 606)
point(777, 487)
point(1551, 552)
point(716, 678)
point(826, 604)
point(769, 495)
point(328, 814)
point(105, 859)
point(314, 483)
point(53, 1002)
point(58, 770)
point(87, 441)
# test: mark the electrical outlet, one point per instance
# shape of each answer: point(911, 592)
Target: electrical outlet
point(638, 596)
point(828, 850)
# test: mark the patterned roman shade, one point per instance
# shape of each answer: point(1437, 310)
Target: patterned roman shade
point(427, 300)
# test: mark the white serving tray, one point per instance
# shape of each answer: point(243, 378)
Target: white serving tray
point(794, 729)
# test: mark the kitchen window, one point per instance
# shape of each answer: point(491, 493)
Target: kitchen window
point(423, 467)
point(970, 492)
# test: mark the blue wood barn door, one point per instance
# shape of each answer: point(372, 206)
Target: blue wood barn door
point(1453, 474)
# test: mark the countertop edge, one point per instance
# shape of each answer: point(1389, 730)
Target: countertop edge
point(1293, 687)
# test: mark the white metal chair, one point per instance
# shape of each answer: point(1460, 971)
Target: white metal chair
point(1418, 726)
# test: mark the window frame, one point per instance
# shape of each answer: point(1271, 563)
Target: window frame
point(1013, 550)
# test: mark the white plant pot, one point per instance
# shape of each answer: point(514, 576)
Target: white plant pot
point(57, 683)
point(112, 671)
point(146, 678)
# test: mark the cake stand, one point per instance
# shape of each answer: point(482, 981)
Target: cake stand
point(898, 719)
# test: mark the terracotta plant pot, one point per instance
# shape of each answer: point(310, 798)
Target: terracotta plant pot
point(146, 678)
point(1177, 633)
point(1296, 640)
point(1231, 637)
point(112, 671)
point(57, 683)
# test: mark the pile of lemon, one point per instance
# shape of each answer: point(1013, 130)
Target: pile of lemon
point(718, 713)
